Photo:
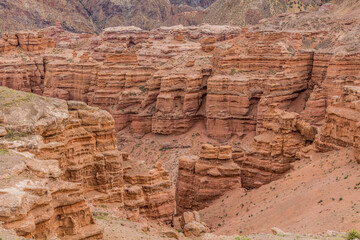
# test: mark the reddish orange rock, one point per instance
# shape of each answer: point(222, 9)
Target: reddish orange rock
point(201, 180)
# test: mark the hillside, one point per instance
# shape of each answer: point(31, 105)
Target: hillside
point(92, 16)
point(243, 12)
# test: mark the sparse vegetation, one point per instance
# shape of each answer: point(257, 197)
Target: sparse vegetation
point(10, 97)
point(151, 109)
point(100, 215)
point(164, 148)
point(3, 151)
point(195, 134)
point(353, 234)
point(14, 135)
point(242, 238)
point(142, 89)
point(325, 43)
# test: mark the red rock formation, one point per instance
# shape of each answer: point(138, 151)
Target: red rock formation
point(39, 198)
point(204, 178)
point(342, 117)
point(72, 153)
point(274, 148)
point(154, 83)
point(28, 41)
point(148, 192)
point(259, 69)
point(127, 73)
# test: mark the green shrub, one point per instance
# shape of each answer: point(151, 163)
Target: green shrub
point(14, 135)
point(353, 234)
point(3, 151)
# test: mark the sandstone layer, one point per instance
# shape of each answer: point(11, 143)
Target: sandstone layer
point(274, 148)
point(39, 197)
point(61, 155)
point(206, 177)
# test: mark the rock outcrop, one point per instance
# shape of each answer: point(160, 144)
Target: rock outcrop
point(206, 177)
point(274, 148)
point(191, 224)
point(161, 81)
point(341, 122)
point(62, 155)
point(38, 200)
point(132, 73)
point(28, 41)
point(148, 192)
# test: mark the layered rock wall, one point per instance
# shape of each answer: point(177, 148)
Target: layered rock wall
point(149, 193)
point(40, 141)
point(341, 121)
point(274, 148)
point(161, 81)
point(29, 41)
point(206, 177)
point(66, 154)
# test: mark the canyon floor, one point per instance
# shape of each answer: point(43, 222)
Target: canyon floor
point(320, 187)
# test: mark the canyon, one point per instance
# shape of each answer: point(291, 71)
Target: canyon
point(180, 131)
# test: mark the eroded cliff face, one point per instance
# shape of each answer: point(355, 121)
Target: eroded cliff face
point(62, 155)
point(274, 148)
point(39, 197)
point(206, 177)
point(162, 81)
point(341, 122)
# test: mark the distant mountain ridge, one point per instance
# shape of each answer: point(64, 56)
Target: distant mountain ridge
point(94, 15)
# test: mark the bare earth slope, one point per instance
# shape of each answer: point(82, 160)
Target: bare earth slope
point(320, 194)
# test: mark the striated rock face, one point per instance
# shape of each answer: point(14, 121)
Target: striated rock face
point(161, 81)
point(205, 178)
point(59, 154)
point(258, 69)
point(274, 148)
point(148, 192)
point(165, 80)
point(29, 41)
point(132, 73)
point(341, 122)
point(43, 207)
point(38, 197)
point(80, 138)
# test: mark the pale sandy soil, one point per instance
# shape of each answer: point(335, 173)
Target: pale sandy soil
point(338, 236)
point(117, 227)
point(321, 193)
